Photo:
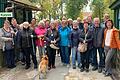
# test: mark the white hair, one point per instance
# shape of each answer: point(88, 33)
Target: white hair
point(24, 23)
point(75, 21)
point(41, 23)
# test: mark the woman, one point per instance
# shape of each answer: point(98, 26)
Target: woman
point(40, 32)
point(26, 43)
point(74, 39)
point(6, 37)
point(86, 32)
point(52, 37)
point(64, 43)
point(111, 40)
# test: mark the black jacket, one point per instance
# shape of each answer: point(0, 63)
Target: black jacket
point(74, 37)
point(25, 39)
point(98, 36)
point(51, 35)
point(89, 37)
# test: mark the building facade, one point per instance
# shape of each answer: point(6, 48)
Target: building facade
point(22, 10)
point(116, 61)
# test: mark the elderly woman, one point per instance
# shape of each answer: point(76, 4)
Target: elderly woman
point(26, 43)
point(74, 39)
point(64, 43)
point(40, 32)
point(85, 33)
point(52, 37)
point(111, 44)
point(6, 39)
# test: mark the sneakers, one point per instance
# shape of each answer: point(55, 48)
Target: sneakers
point(49, 68)
point(68, 65)
point(74, 67)
point(79, 66)
point(82, 69)
point(99, 70)
point(94, 68)
point(107, 74)
point(87, 70)
point(53, 67)
point(104, 71)
point(64, 64)
point(27, 67)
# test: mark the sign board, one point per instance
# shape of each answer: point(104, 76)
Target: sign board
point(6, 14)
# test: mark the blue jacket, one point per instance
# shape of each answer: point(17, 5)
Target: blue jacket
point(64, 36)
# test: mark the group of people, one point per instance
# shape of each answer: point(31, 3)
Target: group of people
point(19, 42)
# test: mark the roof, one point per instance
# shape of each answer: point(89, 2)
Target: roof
point(115, 4)
point(27, 4)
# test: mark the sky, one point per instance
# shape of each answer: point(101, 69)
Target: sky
point(87, 8)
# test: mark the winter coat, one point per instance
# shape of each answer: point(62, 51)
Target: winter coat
point(98, 35)
point(115, 38)
point(25, 39)
point(51, 35)
point(64, 36)
point(40, 31)
point(74, 39)
point(89, 37)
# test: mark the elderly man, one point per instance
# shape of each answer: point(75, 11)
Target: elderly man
point(89, 18)
point(98, 35)
point(26, 43)
point(80, 24)
point(106, 17)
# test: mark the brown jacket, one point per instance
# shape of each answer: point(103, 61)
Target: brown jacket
point(115, 38)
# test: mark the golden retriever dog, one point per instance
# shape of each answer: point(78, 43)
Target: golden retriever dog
point(42, 68)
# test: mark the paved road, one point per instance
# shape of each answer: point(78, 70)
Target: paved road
point(60, 73)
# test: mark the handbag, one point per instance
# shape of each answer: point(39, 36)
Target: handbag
point(54, 46)
point(82, 47)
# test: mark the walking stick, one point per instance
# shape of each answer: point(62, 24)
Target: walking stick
point(33, 45)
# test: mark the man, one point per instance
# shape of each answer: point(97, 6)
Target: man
point(15, 27)
point(106, 17)
point(89, 18)
point(98, 35)
point(33, 24)
point(26, 38)
point(80, 24)
point(90, 23)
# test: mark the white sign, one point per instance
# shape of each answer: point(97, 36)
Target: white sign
point(6, 14)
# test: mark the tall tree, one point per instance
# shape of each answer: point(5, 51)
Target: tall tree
point(49, 8)
point(99, 7)
point(73, 7)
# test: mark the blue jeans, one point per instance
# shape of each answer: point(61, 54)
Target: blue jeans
point(91, 56)
point(74, 54)
point(101, 57)
point(41, 51)
point(10, 57)
point(65, 58)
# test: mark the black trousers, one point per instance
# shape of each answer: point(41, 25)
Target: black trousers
point(51, 56)
point(28, 52)
point(85, 59)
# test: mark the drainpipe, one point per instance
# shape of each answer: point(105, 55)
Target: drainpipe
point(9, 8)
